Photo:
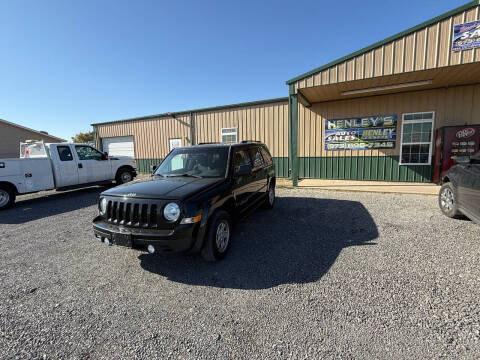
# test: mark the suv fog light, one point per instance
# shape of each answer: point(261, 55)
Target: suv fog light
point(107, 242)
point(150, 249)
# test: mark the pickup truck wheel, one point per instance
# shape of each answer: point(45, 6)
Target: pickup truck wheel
point(7, 197)
point(447, 200)
point(218, 237)
point(124, 176)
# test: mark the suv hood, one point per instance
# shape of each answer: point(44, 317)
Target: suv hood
point(163, 188)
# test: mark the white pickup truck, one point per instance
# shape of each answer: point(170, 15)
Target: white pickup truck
point(59, 166)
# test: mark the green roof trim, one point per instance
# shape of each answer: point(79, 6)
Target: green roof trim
point(387, 40)
point(213, 108)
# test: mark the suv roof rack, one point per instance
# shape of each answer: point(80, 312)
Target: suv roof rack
point(208, 143)
point(250, 141)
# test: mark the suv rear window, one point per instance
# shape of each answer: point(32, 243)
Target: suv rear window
point(241, 158)
point(266, 157)
point(257, 158)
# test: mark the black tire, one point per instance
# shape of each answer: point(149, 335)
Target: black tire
point(211, 251)
point(7, 197)
point(124, 176)
point(447, 200)
point(270, 199)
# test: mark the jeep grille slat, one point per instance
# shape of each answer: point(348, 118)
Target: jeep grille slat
point(132, 212)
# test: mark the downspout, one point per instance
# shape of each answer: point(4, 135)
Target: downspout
point(293, 134)
point(97, 139)
point(192, 129)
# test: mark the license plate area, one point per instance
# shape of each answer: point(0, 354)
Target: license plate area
point(122, 239)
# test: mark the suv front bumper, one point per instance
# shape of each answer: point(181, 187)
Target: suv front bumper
point(184, 237)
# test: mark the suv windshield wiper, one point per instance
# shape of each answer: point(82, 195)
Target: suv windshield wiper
point(185, 175)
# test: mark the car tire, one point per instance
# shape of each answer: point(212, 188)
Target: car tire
point(124, 176)
point(447, 200)
point(218, 238)
point(7, 197)
point(270, 198)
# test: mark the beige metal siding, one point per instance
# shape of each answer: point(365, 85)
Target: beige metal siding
point(11, 136)
point(150, 136)
point(266, 122)
point(452, 106)
point(427, 48)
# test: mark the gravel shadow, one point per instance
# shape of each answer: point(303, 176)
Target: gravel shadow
point(51, 204)
point(296, 242)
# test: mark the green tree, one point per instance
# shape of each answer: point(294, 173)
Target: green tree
point(85, 137)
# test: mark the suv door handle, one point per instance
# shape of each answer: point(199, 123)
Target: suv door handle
point(80, 166)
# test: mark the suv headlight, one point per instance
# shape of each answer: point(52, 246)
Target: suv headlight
point(171, 212)
point(102, 207)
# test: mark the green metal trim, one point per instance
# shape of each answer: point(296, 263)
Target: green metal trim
point(367, 168)
point(221, 107)
point(143, 165)
point(386, 41)
point(281, 166)
point(293, 134)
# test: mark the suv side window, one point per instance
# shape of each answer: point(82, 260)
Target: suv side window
point(257, 158)
point(64, 153)
point(266, 157)
point(88, 153)
point(241, 158)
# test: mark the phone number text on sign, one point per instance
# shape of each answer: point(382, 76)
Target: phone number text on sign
point(363, 133)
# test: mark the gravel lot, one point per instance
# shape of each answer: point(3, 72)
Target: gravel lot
point(323, 275)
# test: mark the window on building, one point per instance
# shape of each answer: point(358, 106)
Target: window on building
point(417, 130)
point(229, 135)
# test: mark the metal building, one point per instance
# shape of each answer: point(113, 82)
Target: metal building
point(398, 110)
point(151, 138)
point(12, 134)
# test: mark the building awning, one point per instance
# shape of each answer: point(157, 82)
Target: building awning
point(411, 81)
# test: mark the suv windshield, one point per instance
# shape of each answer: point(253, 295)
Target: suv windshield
point(195, 162)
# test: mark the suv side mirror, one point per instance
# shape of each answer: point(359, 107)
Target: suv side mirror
point(105, 156)
point(243, 170)
point(153, 168)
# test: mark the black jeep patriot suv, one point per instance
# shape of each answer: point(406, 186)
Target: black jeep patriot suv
point(190, 201)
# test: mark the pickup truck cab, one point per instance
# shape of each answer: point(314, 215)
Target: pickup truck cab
point(59, 166)
point(191, 200)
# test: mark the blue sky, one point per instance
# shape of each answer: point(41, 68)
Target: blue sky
point(67, 64)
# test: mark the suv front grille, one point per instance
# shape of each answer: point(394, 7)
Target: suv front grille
point(132, 213)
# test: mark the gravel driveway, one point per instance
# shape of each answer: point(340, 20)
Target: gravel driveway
point(323, 275)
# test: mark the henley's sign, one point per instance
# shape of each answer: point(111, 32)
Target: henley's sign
point(369, 132)
point(466, 36)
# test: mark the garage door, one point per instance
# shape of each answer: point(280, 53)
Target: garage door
point(119, 146)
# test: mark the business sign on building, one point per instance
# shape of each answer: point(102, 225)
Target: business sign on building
point(362, 133)
point(466, 36)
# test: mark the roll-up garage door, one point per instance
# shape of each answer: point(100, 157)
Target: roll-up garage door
point(119, 146)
